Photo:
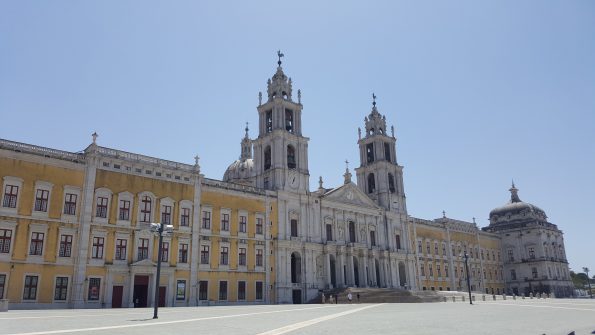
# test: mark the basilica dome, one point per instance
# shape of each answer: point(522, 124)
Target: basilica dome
point(515, 208)
point(240, 170)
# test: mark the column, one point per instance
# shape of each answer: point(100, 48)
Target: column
point(194, 252)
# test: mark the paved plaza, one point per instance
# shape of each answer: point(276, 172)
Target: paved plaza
point(552, 316)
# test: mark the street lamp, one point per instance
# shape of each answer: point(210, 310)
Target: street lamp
point(588, 281)
point(160, 229)
point(468, 277)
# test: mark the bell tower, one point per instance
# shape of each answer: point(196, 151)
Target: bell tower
point(280, 151)
point(379, 175)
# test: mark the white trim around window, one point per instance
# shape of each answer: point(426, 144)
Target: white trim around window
point(10, 228)
point(37, 228)
point(45, 186)
point(185, 204)
point(68, 289)
point(151, 212)
point(102, 193)
point(102, 234)
point(66, 231)
point(22, 293)
point(124, 219)
point(13, 181)
point(70, 192)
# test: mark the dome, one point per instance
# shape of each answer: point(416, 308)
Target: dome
point(516, 207)
point(240, 170)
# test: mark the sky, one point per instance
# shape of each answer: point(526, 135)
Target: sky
point(479, 92)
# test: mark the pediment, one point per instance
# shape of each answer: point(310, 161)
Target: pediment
point(350, 194)
point(144, 262)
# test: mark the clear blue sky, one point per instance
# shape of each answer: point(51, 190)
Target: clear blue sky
point(480, 92)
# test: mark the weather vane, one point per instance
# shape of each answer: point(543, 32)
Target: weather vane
point(374, 99)
point(279, 54)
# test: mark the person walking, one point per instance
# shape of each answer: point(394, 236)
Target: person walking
point(349, 297)
point(336, 299)
point(357, 297)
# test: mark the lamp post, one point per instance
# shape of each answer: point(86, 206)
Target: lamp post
point(468, 277)
point(160, 229)
point(588, 281)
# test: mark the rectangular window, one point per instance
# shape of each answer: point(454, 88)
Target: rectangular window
point(259, 290)
point(203, 290)
point(443, 249)
point(241, 290)
point(124, 213)
point(225, 222)
point(65, 246)
point(422, 270)
point(166, 215)
point(531, 253)
point(5, 239)
point(445, 270)
point(145, 209)
point(2, 285)
point(387, 152)
point(10, 196)
point(204, 254)
point(242, 257)
point(181, 290)
point(224, 256)
point(183, 253)
point(294, 228)
point(259, 261)
point(329, 232)
point(419, 247)
point(269, 121)
point(94, 285)
point(259, 225)
point(61, 289)
point(143, 249)
point(30, 289)
point(36, 247)
point(427, 247)
point(534, 273)
point(289, 120)
point(438, 273)
point(185, 219)
point(436, 248)
point(165, 252)
point(373, 238)
point(370, 152)
point(206, 220)
point(70, 204)
point(101, 211)
point(121, 249)
point(41, 200)
point(510, 253)
point(430, 270)
point(243, 223)
point(222, 290)
point(97, 251)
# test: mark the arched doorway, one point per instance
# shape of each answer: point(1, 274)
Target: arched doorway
point(355, 272)
point(377, 267)
point(296, 268)
point(332, 267)
point(402, 274)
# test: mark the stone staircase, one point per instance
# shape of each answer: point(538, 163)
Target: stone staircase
point(379, 295)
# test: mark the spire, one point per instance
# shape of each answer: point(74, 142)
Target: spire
point(375, 122)
point(246, 146)
point(347, 174)
point(279, 86)
point(514, 196)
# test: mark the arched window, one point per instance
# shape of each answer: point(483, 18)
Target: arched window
point(290, 157)
point(351, 231)
point(371, 183)
point(289, 120)
point(269, 120)
point(370, 152)
point(267, 158)
point(391, 183)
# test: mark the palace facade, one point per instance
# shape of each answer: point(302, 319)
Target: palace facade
point(74, 226)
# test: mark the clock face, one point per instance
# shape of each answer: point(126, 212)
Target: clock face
point(294, 180)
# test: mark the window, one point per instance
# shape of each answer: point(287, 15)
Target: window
point(430, 270)
point(387, 152)
point(329, 232)
point(5, 239)
point(65, 246)
point(41, 200)
point(181, 290)
point(243, 223)
point(101, 210)
point(124, 213)
point(166, 214)
point(10, 196)
point(183, 253)
point(534, 272)
point(371, 183)
point(241, 290)
point(2, 285)
point(510, 255)
point(259, 254)
point(485, 275)
point(165, 252)
point(70, 204)
point(259, 225)
point(206, 220)
point(185, 219)
point(391, 183)
point(203, 290)
point(61, 289)
point(370, 152)
point(269, 121)
point(373, 238)
point(438, 273)
point(446, 271)
point(398, 242)
point(289, 120)
point(427, 247)
point(121, 249)
point(259, 290)
point(36, 247)
point(97, 251)
point(267, 158)
point(30, 289)
point(294, 227)
point(435, 248)
point(531, 253)
point(482, 254)
point(443, 249)
point(224, 260)
point(419, 247)
point(351, 231)
point(225, 222)
point(242, 257)
point(422, 270)
point(222, 290)
point(204, 254)
point(94, 285)
point(145, 209)
point(290, 157)
point(143, 249)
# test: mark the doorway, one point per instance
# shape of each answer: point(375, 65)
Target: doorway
point(117, 292)
point(162, 296)
point(297, 296)
point(141, 290)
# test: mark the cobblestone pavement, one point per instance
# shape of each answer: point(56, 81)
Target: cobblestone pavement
point(551, 316)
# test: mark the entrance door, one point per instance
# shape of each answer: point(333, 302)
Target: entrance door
point(162, 296)
point(141, 290)
point(117, 292)
point(297, 296)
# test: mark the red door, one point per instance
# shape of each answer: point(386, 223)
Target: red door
point(117, 296)
point(162, 296)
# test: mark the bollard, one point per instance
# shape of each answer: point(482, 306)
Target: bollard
point(454, 298)
point(483, 297)
point(444, 299)
point(504, 297)
point(531, 295)
point(494, 296)
point(514, 297)
point(463, 297)
point(3, 305)
point(473, 297)
point(523, 296)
